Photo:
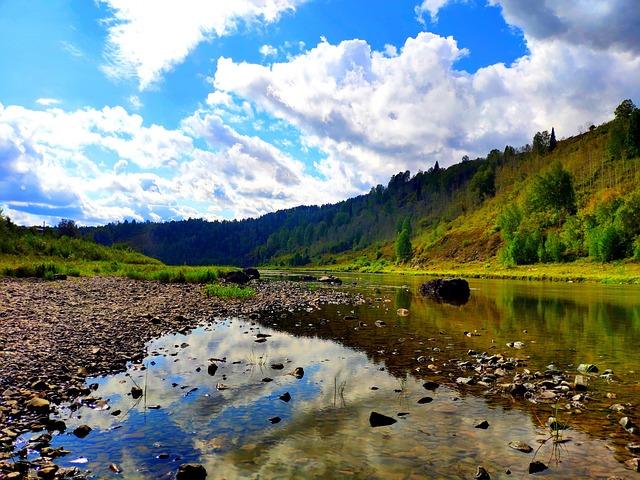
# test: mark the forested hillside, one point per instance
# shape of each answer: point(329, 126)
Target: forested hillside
point(552, 200)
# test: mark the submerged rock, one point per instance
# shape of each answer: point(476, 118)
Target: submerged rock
point(191, 471)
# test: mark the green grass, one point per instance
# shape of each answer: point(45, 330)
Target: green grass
point(229, 291)
point(24, 266)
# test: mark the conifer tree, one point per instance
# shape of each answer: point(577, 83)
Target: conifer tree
point(552, 140)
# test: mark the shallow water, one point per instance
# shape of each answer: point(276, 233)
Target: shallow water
point(352, 370)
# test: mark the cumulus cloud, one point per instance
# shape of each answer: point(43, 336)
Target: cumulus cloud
point(610, 25)
point(375, 114)
point(147, 38)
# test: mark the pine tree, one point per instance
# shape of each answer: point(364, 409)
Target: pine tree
point(552, 141)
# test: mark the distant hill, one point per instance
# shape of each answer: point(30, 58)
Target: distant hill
point(552, 200)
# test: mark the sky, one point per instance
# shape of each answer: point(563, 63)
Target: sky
point(114, 110)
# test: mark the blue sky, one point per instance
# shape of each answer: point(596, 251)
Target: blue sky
point(161, 110)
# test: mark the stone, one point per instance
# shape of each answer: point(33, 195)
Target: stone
point(274, 420)
point(298, 372)
point(455, 291)
point(587, 368)
point(628, 425)
point(482, 474)
point(285, 397)
point(136, 392)
point(633, 464)
point(537, 467)
point(82, 431)
point(424, 400)
point(252, 273)
point(277, 366)
point(236, 276)
point(191, 471)
point(483, 425)
point(580, 383)
point(212, 369)
point(430, 385)
point(48, 471)
point(38, 405)
point(330, 279)
point(520, 446)
point(379, 420)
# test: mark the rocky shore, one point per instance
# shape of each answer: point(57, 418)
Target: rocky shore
point(56, 334)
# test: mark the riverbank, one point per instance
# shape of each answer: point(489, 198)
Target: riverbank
point(56, 334)
point(621, 272)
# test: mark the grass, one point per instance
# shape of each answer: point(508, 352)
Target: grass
point(229, 291)
point(23, 266)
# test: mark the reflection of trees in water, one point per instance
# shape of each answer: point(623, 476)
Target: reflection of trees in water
point(403, 298)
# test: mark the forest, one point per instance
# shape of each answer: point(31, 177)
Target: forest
point(548, 201)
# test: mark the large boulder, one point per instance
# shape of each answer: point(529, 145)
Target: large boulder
point(252, 273)
point(236, 276)
point(450, 290)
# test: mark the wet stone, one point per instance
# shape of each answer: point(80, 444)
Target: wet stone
point(379, 420)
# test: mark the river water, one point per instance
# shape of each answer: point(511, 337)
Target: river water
point(238, 423)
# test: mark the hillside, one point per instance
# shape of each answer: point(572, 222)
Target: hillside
point(551, 201)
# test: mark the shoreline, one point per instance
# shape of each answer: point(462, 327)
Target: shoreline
point(58, 334)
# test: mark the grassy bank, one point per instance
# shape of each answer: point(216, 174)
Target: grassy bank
point(625, 272)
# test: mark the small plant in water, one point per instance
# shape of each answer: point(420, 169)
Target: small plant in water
point(338, 392)
point(555, 427)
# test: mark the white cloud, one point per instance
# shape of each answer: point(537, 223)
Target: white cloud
point(48, 101)
point(268, 51)
point(147, 38)
point(135, 102)
point(375, 115)
point(432, 7)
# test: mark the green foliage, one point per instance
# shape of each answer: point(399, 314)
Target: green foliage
point(617, 140)
point(541, 143)
point(552, 193)
point(605, 243)
point(404, 249)
point(624, 110)
point(633, 134)
point(229, 291)
point(67, 228)
point(509, 221)
point(483, 183)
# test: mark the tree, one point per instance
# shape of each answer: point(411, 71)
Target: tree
point(67, 228)
point(483, 183)
point(404, 249)
point(633, 134)
point(552, 141)
point(616, 140)
point(541, 141)
point(553, 193)
point(624, 110)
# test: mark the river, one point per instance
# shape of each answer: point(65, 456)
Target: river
point(252, 418)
